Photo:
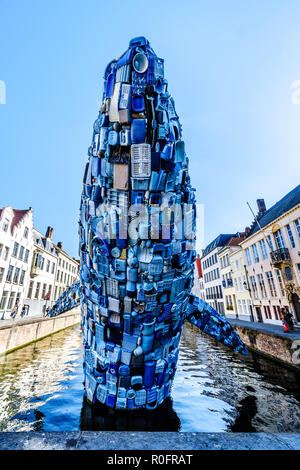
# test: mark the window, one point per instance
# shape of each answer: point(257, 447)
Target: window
point(271, 283)
point(237, 264)
point(44, 291)
point(61, 276)
point(263, 249)
point(248, 256)
point(1, 248)
point(55, 292)
point(6, 251)
point(11, 300)
point(240, 283)
point(53, 268)
point(255, 253)
point(297, 225)
point(37, 291)
point(280, 282)
point(15, 250)
point(276, 309)
point(26, 256)
point(267, 312)
point(279, 240)
point(5, 225)
point(22, 277)
point(49, 290)
point(291, 238)
point(63, 263)
point(1, 274)
point(3, 300)
point(254, 287)
point(270, 242)
point(9, 274)
point(42, 263)
point(30, 290)
point(288, 273)
point(48, 266)
point(16, 275)
point(26, 231)
point(262, 285)
point(21, 252)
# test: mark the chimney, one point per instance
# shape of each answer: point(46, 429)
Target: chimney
point(261, 207)
point(247, 230)
point(59, 245)
point(49, 232)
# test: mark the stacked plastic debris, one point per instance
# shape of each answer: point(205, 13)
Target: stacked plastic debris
point(137, 234)
point(70, 298)
point(208, 320)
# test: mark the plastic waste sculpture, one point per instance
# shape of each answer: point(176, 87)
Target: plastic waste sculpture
point(137, 236)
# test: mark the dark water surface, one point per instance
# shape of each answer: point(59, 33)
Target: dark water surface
point(214, 390)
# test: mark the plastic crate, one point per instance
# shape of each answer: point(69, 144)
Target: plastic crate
point(140, 161)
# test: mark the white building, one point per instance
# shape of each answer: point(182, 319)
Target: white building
point(34, 271)
point(40, 288)
point(66, 272)
point(211, 267)
point(272, 253)
point(16, 247)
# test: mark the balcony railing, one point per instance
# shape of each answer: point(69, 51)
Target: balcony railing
point(280, 255)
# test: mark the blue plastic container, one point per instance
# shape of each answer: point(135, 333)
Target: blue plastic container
point(149, 373)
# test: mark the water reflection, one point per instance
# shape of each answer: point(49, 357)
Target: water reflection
point(214, 390)
point(101, 418)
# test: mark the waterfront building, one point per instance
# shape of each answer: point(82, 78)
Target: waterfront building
point(198, 287)
point(237, 299)
point(40, 288)
point(211, 267)
point(66, 273)
point(242, 293)
point(34, 271)
point(16, 247)
point(272, 250)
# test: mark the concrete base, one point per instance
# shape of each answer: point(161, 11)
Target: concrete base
point(98, 440)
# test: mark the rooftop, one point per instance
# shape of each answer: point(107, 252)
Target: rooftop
point(289, 201)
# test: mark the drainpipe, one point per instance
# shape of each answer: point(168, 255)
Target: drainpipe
point(250, 293)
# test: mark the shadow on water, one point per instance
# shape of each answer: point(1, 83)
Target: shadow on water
point(101, 418)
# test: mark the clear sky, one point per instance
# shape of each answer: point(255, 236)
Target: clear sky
point(230, 66)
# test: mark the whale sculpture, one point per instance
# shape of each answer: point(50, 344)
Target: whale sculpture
point(137, 240)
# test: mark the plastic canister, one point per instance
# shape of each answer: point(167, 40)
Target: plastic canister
point(149, 373)
point(111, 400)
point(127, 324)
point(132, 274)
point(130, 399)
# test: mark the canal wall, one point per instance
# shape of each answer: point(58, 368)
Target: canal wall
point(280, 346)
point(19, 333)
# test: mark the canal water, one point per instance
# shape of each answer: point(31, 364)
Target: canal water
point(214, 390)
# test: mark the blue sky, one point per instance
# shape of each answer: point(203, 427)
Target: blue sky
point(230, 65)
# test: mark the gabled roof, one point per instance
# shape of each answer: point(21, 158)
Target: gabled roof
point(221, 240)
point(289, 201)
point(18, 216)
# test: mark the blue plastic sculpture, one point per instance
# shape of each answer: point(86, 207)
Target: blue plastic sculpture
point(137, 236)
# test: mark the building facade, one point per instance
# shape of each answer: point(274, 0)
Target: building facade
point(16, 247)
point(34, 271)
point(39, 294)
point(211, 270)
point(272, 254)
